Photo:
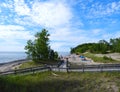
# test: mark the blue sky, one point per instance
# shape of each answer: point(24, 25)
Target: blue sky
point(69, 22)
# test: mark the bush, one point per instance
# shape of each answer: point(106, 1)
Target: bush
point(107, 58)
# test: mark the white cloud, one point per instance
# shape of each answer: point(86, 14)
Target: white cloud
point(47, 14)
point(96, 31)
point(98, 10)
point(50, 14)
point(21, 8)
point(115, 5)
point(10, 36)
point(55, 15)
point(14, 32)
point(115, 34)
point(57, 46)
point(11, 46)
point(15, 35)
point(63, 39)
point(60, 34)
point(7, 4)
point(10, 27)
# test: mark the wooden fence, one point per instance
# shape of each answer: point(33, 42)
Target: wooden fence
point(80, 68)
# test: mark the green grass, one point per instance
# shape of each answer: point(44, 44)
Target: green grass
point(34, 64)
point(100, 59)
point(29, 64)
point(63, 82)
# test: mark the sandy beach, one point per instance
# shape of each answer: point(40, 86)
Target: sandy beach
point(11, 65)
point(76, 59)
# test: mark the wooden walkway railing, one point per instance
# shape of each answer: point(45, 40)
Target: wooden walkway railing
point(80, 68)
point(26, 70)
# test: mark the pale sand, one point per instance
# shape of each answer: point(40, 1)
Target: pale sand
point(76, 59)
point(115, 56)
point(11, 65)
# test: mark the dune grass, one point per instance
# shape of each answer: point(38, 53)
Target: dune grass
point(34, 64)
point(103, 59)
point(29, 64)
point(63, 82)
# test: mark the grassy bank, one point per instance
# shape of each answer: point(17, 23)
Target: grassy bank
point(29, 64)
point(34, 64)
point(62, 82)
point(103, 59)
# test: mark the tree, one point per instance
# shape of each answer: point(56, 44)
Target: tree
point(115, 44)
point(53, 55)
point(101, 47)
point(39, 49)
point(104, 46)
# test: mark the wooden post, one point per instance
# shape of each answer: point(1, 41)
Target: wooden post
point(32, 70)
point(101, 68)
point(15, 72)
point(50, 68)
point(83, 67)
point(67, 64)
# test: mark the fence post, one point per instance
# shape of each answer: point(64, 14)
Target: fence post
point(32, 70)
point(83, 67)
point(59, 69)
point(15, 72)
point(101, 67)
point(67, 64)
point(50, 68)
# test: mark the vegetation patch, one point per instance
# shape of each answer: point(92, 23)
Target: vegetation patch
point(64, 82)
point(40, 63)
point(103, 59)
point(29, 64)
point(39, 48)
point(101, 47)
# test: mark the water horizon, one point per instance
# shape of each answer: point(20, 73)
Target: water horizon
point(9, 56)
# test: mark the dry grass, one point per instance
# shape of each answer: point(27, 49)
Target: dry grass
point(63, 82)
point(101, 58)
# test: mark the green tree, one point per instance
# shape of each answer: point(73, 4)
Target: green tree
point(101, 47)
point(104, 46)
point(39, 49)
point(115, 45)
point(53, 55)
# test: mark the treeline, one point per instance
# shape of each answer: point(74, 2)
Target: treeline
point(101, 47)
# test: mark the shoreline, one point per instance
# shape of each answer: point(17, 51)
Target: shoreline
point(7, 66)
point(22, 60)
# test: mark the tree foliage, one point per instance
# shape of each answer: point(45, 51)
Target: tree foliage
point(39, 49)
point(101, 47)
point(115, 44)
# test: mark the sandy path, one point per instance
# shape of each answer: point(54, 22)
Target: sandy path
point(9, 66)
point(115, 56)
point(76, 59)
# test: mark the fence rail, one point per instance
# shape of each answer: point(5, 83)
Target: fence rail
point(81, 68)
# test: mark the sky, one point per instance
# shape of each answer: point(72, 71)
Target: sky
point(69, 22)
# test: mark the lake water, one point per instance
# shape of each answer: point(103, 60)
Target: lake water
point(12, 56)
